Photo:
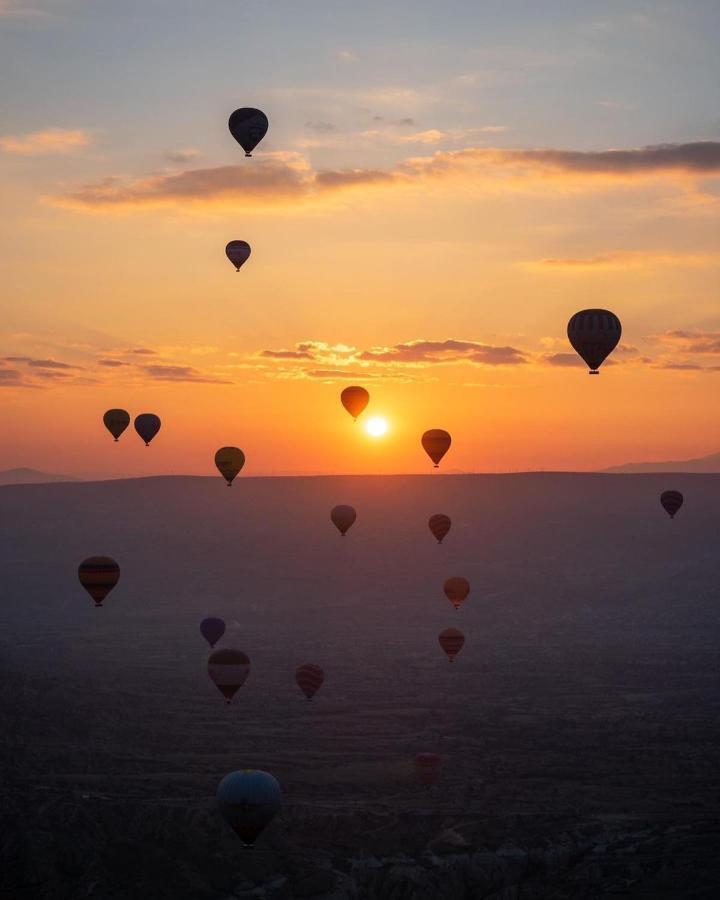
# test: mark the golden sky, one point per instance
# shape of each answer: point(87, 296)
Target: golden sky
point(425, 232)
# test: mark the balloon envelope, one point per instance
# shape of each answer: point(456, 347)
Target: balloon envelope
point(229, 461)
point(212, 630)
point(439, 524)
point(354, 399)
point(309, 678)
point(671, 501)
point(343, 517)
point(98, 575)
point(456, 590)
point(452, 641)
point(428, 768)
point(238, 252)
point(436, 444)
point(594, 334)
point(116, 421)
point(248, 126)
point(147, 426)
point(248, 801)
point(228, 669)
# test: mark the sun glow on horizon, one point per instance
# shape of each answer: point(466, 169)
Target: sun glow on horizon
point(376, 426)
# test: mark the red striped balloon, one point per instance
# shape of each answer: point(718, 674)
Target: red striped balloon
point(456, 590)
point(98, 575)
point(309, 678)
point(228, 669)
point(439, 524)
point(452, 641)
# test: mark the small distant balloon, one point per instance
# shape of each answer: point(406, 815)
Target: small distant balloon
point(248, 126)
point(671, 501)
point(428, 768)
point(147, 426)
point(456, 590)
point(98, 575)
point(452, 641)
point(309, 678)
point(238, 252)
point(436, 444)
point(248, 801)
point(343, 517)
point(228, 669)
point(594, 334)
point(354, 399)
point(212, 630)
point(439, 525)
point(229, 461)
point(116, 421)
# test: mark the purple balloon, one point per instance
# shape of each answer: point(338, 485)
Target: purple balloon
point(212, 630)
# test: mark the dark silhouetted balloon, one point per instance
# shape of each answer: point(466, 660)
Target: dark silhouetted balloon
point(229, 461)
point(343, 517)
point(116, 421)
point(594, 334)
point(456, 590)
point(228, 669)
point(354, 399)
point(309, 678)
point(439, 524)
point(248, 801)
point(671, 501)
point(436, 444)
point(248, 126)
point(238, 252)
point(98, 575)
point(212, 629)
point(428, 767)
point(451, 640)
point(147, 426)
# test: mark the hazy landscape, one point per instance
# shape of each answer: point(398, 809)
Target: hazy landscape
point(580, 724)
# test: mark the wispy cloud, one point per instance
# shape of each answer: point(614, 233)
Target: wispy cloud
point(182, 156)
point(619, 260)
point(181, 373)
point(49, 141)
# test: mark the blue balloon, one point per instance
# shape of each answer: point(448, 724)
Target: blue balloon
point(212, 630)
point(248, 802)
point(147, 426)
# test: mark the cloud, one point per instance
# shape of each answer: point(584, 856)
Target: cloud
point(112, 363)
point(619, 260)
point(286, 354)
point(11, 9)
point(321, 127)
point(40, 363)
point(12, 378)
point(564, 359)
point(428, 352)
point(432, 136)
point(345, 56)
point(181, 373)
point(40, 143)
point(182, 156)
point(692, 341)
point(143, 351)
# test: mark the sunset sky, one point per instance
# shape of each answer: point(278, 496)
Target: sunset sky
point(443, 184)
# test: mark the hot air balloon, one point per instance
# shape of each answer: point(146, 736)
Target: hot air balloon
point(229, 461)
point(436, 444)
point(116, 421)
point(248, 126)
point(228, 669)
point(147, 426)
point(451, 640)
point(355, 399)
point(238, 252)
point(98, 575)
point(212, 630)
point(671, 501)
point(456, 590)
point(594, 334)
point(428, 768)
point(439, 524)
point(342, 517)
point(309, 678)
point(248, 801)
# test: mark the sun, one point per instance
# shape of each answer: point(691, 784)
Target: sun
point(376, 426)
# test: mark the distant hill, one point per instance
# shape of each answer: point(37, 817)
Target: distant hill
point(705, 464)
point(31, 476)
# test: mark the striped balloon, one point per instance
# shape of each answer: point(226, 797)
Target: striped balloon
point(98, 575)
point(671, 501)
point(452, 641)
point(428, 767)
point(456, 590)
point(594, 334)
point(436, 444)
point(439, 524)
point(228, 669)
point(309, 678)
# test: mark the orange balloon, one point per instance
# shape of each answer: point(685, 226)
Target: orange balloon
point(354, 399)
point(456, 590)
